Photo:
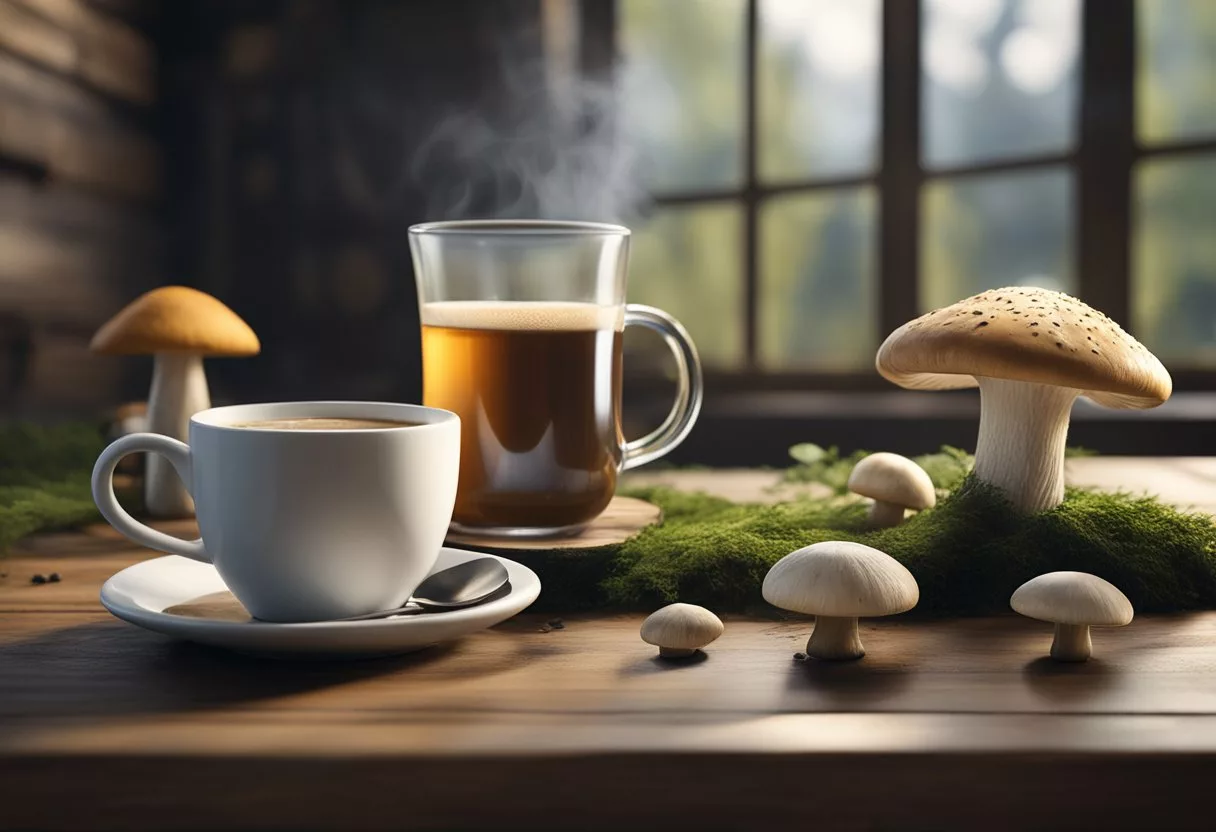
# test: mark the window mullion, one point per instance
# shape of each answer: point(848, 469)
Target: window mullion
point(751, 193)
point(900, 176)
point(1106, 151)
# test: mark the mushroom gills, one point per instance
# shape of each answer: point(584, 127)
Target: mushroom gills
point(835, 639)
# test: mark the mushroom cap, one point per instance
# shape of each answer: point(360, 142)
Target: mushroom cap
point(176, 319)
point(681, 627)
point(841, 579)
point(1025, 334)
point(891, 478)
point(1072, 598)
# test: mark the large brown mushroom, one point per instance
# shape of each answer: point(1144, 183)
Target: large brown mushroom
point(179, 326)
point(1031, 352)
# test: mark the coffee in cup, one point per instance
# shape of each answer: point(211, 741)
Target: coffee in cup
point(323, 423)
point(537, 388)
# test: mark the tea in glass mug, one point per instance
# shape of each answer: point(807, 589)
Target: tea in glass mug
point(522, 325)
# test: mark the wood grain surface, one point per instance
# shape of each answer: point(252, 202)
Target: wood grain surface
point(623, 519)
point(960, 724)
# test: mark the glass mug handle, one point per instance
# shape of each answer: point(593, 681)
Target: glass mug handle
point(689, 389)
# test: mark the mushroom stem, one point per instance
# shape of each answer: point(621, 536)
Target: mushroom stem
point(674, 653)
point(1072, 643)
point(884, 515)
point(834, 639)
point(179, 390)
point(1023, 427)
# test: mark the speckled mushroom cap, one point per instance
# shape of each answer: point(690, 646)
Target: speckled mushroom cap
point(840, 579)
point(1025, 334)
point(891, 478)
point(681, 627)
point(176, 319)
point(1072, 598)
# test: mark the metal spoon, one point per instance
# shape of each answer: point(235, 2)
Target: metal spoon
point(463, 585)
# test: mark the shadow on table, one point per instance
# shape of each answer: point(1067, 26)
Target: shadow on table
point(1069, 682)
point(847, 684)
point(655, 663)
point(107, 667)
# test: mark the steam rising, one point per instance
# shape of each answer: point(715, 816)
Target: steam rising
point(550, 148)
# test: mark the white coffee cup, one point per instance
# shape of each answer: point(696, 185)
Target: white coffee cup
point(306, 525)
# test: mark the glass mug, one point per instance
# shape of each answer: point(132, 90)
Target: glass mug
point(521, 336)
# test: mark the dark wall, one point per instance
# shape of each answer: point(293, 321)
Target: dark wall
point(292, 130)
point(80, 187)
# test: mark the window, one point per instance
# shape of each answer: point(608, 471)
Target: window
point(824, 170)
point(1174, 183)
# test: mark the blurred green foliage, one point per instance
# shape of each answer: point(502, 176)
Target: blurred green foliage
point(1176, 69)
point(817, 295)
point(947, 468)
point(1174, 259)
point(686, 261)
point(44, 477)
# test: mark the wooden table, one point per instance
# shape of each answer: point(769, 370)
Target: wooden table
point(950, 724)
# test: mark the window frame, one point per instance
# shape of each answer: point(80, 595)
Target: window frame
point(1102, 163)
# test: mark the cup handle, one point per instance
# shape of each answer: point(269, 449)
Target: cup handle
point(689, 390)
point(178, 454)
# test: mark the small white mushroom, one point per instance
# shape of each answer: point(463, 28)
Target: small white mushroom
point(838, 582)
point(680, 630)
point(895, 484)
point(1074, 602)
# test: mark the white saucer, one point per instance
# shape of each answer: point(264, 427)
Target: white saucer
point(142, 594)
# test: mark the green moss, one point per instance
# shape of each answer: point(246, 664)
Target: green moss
point(31, 454)
point(968, 554)
point(44, 477)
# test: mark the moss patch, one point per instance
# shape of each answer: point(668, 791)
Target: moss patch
point(44, 477)
point(968, 554)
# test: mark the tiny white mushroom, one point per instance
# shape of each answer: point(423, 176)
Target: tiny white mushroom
point(680, 630)
point(1074, 602)
point(895, 484)
point(839, 582)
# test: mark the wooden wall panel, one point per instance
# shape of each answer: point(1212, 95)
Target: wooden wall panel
point(123, 163)
point(79, 201)
point(70, 379)
point(68, 36)
point(56, 282)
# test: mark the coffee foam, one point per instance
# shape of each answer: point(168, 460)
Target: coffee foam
point(539, 316)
